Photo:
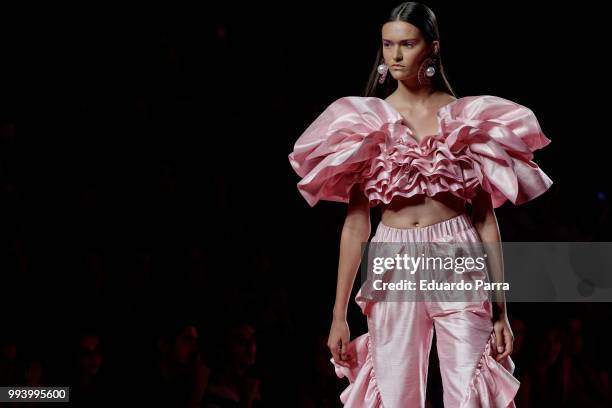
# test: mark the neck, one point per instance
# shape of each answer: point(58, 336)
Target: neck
point(413, 93)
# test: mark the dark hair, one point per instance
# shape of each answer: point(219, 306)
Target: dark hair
point(425, 20)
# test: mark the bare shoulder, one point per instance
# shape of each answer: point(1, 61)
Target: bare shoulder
point(389, 98)
point(444, 97)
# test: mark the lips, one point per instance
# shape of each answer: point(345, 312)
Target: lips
point(397, 66)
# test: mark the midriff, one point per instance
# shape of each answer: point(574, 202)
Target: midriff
point(420, 210)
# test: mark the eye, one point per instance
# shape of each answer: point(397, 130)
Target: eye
point(409, 45)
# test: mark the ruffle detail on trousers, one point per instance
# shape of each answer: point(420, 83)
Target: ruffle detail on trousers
point(493, 385)
point(362, 392)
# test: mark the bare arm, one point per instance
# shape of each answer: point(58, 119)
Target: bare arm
point(355, 231)
point(485, 222)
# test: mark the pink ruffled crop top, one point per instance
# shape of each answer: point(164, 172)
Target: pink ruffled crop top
point(482, 140)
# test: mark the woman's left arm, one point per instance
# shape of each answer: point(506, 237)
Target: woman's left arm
point(485, 222)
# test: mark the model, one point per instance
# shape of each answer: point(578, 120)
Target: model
point(438, 166)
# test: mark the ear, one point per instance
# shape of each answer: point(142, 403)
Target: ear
point(435, 45)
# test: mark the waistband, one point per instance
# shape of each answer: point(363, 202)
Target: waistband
point(451, 226)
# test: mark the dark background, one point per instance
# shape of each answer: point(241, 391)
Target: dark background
point(144, 173)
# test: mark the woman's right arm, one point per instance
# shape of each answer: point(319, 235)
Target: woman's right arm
point(355, 231)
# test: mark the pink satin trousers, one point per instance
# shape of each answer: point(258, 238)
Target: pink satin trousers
point(393, 356)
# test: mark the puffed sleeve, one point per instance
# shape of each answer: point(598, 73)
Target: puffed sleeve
point(335, 152)
point(495, 139)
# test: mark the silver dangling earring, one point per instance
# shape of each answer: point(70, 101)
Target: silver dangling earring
point(430, 71)
point(382, 70)
point(425, 74)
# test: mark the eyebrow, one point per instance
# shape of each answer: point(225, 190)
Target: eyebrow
point(407, 39)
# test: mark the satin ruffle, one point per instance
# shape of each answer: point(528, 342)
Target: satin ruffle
point(493, 383)
point(483, 140)
point(362, 390)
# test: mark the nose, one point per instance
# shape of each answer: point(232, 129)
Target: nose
point(397, 54)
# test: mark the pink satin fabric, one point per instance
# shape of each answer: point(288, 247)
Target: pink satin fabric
point(482, 140)
point(392, 357)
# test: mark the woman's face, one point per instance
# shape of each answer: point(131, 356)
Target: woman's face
point(403, 44)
